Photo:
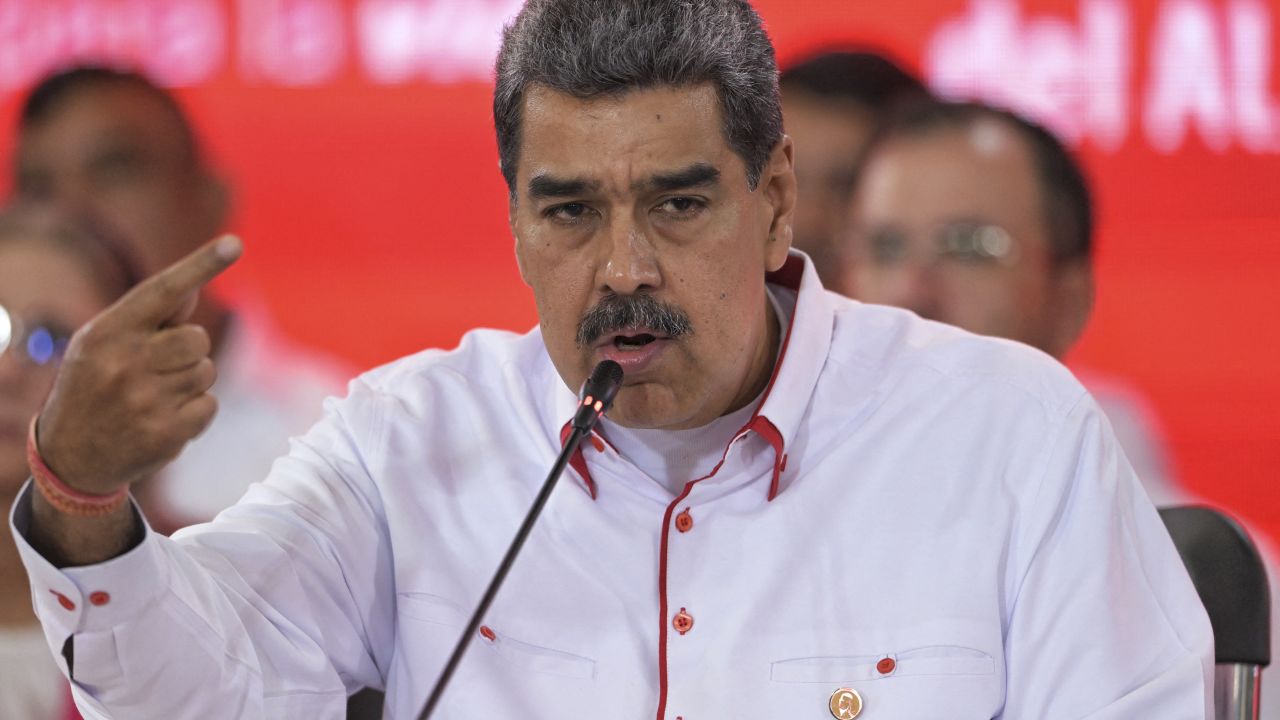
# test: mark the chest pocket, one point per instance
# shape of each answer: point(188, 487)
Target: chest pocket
point(923, 683)
point(932, 660)
point(495, 646)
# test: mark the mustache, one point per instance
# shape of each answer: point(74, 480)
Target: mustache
point(616, 313)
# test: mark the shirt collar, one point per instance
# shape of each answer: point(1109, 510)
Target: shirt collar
point(804, 352)
point(805, 345)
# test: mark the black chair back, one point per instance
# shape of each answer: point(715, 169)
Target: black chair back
point(1229, 575)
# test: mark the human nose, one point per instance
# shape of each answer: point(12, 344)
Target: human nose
point(631, 265)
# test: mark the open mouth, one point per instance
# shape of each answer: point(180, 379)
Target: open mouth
point(635, 348)
point(633, 342)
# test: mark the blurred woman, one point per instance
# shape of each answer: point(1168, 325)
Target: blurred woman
point(55, 274)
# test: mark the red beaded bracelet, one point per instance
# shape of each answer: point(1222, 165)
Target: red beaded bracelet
point(62, 496)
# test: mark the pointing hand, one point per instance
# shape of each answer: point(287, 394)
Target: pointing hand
point(133, 386)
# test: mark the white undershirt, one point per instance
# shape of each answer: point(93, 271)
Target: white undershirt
point(673, 458)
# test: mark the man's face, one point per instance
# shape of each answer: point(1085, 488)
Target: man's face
point(829, 135)
point(638, 197)
point(950, 225)
point(118, 152)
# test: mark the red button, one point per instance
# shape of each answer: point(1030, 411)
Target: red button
point(682, 622)
point(886, 666)
point(64, 601)
point(684, 521)
point(99, 598)
point(487, 633)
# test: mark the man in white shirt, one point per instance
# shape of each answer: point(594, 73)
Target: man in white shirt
point(112, 143)
point(857, 514)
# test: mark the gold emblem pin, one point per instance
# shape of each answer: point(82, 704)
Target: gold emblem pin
point(846, 704)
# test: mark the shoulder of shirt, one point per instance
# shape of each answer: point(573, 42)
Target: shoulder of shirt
point(880, 345)
point(257, 361)
point(481, 359)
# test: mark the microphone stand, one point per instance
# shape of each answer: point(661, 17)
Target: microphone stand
point(597, 394)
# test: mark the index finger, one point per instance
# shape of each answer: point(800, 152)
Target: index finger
point(161, 296)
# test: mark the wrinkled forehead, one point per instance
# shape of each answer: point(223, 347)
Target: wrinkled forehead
point(618, 141)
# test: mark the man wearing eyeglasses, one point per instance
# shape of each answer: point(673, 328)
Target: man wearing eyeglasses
point(975, 217)
point(978, 218)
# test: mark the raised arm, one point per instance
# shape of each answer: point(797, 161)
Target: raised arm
point(131, 392)
point(278, 608)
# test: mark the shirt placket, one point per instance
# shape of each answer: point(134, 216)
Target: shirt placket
point(687, 620)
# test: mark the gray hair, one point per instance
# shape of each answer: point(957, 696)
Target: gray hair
point(587, 48)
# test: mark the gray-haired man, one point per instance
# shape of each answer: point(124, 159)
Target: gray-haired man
point(799, 507)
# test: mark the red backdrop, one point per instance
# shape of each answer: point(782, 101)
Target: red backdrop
point(358, 138)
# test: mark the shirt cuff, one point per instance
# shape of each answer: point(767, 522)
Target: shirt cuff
point(91, 597)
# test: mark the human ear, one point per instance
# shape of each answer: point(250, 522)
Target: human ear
point(778, 181)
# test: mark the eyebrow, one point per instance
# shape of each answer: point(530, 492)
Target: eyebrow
point(700, 174)
point(546, 186)
point(696, 175)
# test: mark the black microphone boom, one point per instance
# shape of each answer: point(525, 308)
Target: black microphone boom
point(594, 401)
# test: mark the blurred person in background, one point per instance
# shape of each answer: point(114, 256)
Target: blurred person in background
point(976, 217)
point(116, 144)
point(836, 98)
point(55, 275)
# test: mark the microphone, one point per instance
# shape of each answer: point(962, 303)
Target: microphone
point(595, 399)
point(597, 395)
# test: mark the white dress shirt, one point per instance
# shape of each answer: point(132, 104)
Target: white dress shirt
point(939, 521)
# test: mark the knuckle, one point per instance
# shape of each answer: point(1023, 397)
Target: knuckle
point(208, 409)
point(200, 414)
point(195, 341)
point(115, 371)
point(208, 373)
point(75, 356)
point(202, 342)
point(143, 401)
point(88, 338)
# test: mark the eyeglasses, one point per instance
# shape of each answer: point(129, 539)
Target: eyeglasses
point(37, 342)
point(959, 243)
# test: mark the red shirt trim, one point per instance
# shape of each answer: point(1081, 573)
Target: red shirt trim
point(577, 461)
